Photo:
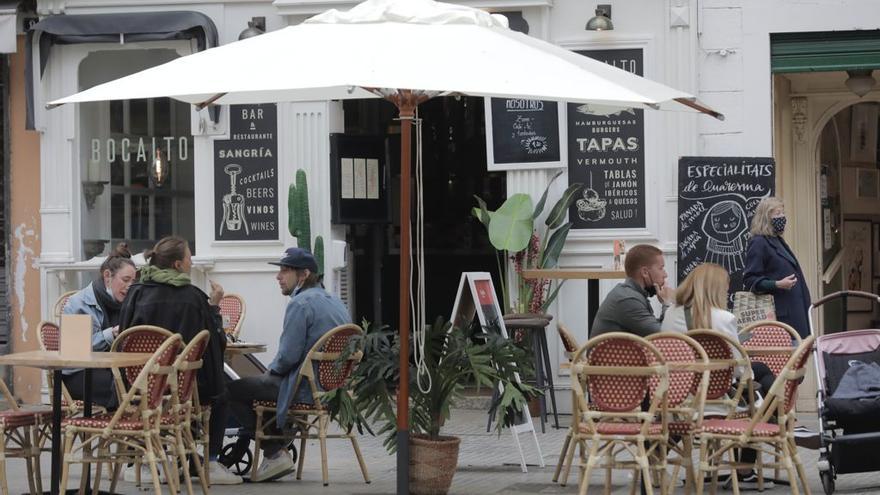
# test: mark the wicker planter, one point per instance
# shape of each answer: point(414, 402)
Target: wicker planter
point(432, 464)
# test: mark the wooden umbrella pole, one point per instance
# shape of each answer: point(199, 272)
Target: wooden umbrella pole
point(406, 102)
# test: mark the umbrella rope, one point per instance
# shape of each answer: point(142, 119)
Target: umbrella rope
point(417, 257)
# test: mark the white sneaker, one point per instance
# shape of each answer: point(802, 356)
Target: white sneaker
point(273, 468)
point(130, 474)
point(218, 474)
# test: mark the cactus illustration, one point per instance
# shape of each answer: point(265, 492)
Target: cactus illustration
point(299, 220)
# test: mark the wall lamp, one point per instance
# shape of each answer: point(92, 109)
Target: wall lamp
point(256, 27)
point(602, 20)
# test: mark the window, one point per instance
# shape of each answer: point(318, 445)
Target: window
point(118, 142)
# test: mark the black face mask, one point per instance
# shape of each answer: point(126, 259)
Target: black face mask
point(651, 289)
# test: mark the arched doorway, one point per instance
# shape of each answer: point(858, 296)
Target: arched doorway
point(849, 212)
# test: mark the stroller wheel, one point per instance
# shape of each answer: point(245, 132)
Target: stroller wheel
point(827, 478)
point(237, 457)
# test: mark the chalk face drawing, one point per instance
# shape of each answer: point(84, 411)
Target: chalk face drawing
point(716, 202)
point(725, 227)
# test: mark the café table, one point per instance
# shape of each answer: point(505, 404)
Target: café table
point(53, 360)
point(592, 277)
point(239, 361)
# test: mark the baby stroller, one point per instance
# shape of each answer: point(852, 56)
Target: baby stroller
point(849, 433)
point(237, 454)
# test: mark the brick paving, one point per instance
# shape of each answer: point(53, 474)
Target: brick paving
point(488, 464)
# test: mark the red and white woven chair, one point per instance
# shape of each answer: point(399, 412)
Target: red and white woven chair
point(770, 431)
point(232, 309)
point(60, 303)
point(569, 343)
point(617, 374)
point(771, 342)
point(730, 374)
point(134, 429)
point(19, 439)
point(688, 367)
point(311, 421)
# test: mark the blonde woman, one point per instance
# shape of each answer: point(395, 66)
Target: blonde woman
point(772, 268)
point(701, 302)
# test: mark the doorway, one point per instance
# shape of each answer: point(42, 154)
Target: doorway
point(454, 164)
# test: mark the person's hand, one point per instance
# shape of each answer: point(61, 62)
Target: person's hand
point(116, 331)
point(665, 294)
point(216, 292)
point(787, 283)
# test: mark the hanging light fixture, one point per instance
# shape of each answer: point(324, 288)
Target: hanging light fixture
point(159, 167)
point(860, 82)
point(256, 27)
point(602, 20)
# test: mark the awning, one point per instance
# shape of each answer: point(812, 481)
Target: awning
point(113, 28)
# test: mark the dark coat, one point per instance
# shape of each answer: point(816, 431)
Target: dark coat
point(184, 310)
point(769, 259)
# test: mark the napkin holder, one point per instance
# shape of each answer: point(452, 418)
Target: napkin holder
point(76, 336)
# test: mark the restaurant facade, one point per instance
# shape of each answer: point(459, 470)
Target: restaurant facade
point(84, 177)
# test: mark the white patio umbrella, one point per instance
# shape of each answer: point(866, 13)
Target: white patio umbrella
point(405, 51)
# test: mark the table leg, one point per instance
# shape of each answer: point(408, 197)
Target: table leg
point(56, 432)
point(87, 412)
point(549, 377)
point(592, 302)
point(539, 377)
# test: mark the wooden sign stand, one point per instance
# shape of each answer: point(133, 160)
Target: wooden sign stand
point(476, 294)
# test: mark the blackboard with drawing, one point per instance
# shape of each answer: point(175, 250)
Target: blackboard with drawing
point(716, 202)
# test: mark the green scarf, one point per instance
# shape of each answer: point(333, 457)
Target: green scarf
point(168, 276)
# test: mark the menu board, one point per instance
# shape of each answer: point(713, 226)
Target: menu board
point(524, 132)
point(716, 203)
point(606, 153)
point(246, 175)
point(359, 179)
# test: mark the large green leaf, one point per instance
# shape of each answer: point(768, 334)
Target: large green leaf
point(540, 206)
point(554, 246)
point(557, 214)
point(511, 225)
point(481, 213)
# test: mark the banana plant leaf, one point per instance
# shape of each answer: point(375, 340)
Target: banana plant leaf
point(557, 214)
point(511, 225)
point(540, 206)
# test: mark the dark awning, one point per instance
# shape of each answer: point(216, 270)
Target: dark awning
point(113, 28)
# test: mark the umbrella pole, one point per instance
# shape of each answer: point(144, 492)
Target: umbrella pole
point(406, 105)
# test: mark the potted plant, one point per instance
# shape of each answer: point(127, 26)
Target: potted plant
point(454, 358)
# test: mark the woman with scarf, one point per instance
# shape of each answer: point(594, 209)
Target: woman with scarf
point(165, 297)
point(772, 268)
point(102, 300)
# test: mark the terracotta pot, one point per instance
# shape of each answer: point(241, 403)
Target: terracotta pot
point(432, 464)
point(535, 407)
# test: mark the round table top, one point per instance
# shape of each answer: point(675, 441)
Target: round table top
point(50, 360)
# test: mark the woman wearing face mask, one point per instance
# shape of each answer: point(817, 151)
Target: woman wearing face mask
point(771, 267)
point(165, 297)
point(102, 300)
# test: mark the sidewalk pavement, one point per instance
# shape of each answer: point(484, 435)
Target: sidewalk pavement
point(488, 464)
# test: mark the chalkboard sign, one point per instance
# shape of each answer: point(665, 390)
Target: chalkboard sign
point(716, 202)
point(606, 153)
point(246, 176)
point(522, 133)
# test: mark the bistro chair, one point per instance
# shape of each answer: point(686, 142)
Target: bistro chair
point(729, 376)
point(19, 439)
point(618, 371)
point(321, 373)
point(772, 343)
point(134, 429)
point(232, 309)
point(177, 428)
point(769, 431)
point(688, 366)
point(569, 343)
point(49, 338)
point(60, 303)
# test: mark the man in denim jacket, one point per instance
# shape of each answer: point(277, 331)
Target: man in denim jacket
point(311, 312)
